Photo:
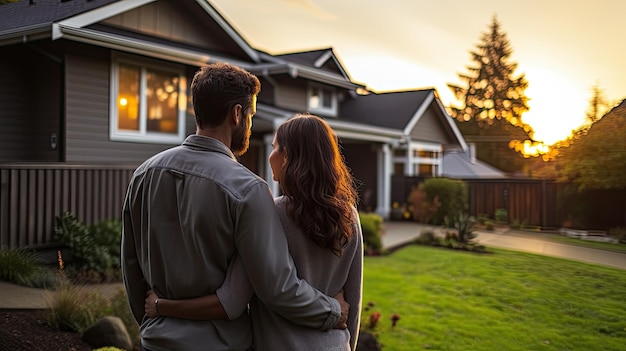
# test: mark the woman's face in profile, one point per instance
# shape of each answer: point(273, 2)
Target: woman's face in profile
point(277, 160)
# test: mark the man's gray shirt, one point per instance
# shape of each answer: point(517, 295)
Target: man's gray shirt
point(187, 212)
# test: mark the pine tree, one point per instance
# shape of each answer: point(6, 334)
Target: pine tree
point(493, 102)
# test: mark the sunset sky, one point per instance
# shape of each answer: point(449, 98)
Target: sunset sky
point(563, 47)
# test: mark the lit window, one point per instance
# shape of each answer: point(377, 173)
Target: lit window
point(322, 100)
point(148, 102)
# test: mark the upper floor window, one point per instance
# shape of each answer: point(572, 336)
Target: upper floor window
point(322, 100)
point(148, 102)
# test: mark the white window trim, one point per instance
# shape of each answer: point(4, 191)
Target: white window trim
point(411, 163)
point(332, 111)
point(143, 136)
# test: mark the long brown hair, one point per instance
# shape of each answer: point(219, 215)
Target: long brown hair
point(316, 181)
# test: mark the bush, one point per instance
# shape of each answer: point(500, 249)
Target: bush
point(75, 308)
point(444, 197)
point(422, 208)
point(371, 226)
point(17, 265)
point(24, 267)
point(426, 237)
point(501, 215)
point(95, 248)
point(464, 225)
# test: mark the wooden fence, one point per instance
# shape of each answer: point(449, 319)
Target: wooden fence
point(32, 196)
point(528, 201)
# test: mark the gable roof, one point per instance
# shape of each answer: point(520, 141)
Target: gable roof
point(74, 20)
point(391, 109)
point(400, 110)
point(324, 59)
point(296, 66)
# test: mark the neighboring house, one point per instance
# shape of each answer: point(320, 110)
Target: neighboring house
point(464, 165)
point(92, 88)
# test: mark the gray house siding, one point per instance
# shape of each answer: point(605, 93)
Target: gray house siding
point(29, 104)
point(290, 94)
point(174, 20)
point(429, 128)
point(87, 117)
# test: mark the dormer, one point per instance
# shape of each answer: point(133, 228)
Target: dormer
point(322, 100)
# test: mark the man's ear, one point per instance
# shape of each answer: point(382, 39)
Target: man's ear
point(236, 112)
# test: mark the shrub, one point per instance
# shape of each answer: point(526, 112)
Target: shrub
point(74, 308)
point(501, 215)
point(24, 267)
point(450, 196)
point(427, 237)
point(17, 265)
point(371, 226)
point(482, 219)
point(464, 225)
point(95, 248)
point(422, 208)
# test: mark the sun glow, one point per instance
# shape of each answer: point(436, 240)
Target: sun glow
point(556, 106)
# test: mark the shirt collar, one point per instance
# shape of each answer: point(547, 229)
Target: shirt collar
point(208, 144)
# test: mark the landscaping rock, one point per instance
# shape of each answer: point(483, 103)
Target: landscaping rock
point(108, 331)
point(367, 342)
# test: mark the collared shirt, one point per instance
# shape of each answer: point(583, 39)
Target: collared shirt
point(188, 211)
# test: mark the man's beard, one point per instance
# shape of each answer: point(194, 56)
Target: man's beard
point(241, 138)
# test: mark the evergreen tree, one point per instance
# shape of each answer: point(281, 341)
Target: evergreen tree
point(493, 102)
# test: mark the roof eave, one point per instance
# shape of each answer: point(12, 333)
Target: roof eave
point(170, 53)
point(295, 70)
point(26, 34)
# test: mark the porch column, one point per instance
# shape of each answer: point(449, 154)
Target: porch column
point(267, 141)
point(384, 166)
point(409, 169)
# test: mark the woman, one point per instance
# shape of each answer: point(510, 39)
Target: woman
point(317, 210)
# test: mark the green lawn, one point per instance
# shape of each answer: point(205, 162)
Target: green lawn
point(454, 300)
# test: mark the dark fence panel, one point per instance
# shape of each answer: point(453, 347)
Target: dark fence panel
point(528, 201)
point(32, 196)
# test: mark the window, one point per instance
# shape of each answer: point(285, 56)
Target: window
point(322, 100)
point(148, 102)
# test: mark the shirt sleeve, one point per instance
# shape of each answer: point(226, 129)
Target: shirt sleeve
point(236, 291)
point(353, 288)
point(263, 250)
point(132, 275)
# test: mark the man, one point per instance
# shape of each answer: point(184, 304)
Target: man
point(190, 209)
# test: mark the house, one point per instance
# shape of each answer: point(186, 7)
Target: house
point(91, 88)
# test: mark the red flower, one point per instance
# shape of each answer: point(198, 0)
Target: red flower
point(394, 319)
point(374, 317)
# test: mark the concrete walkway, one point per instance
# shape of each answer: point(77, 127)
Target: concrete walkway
point(396, 234)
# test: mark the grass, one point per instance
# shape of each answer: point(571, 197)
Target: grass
point(452, 300)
